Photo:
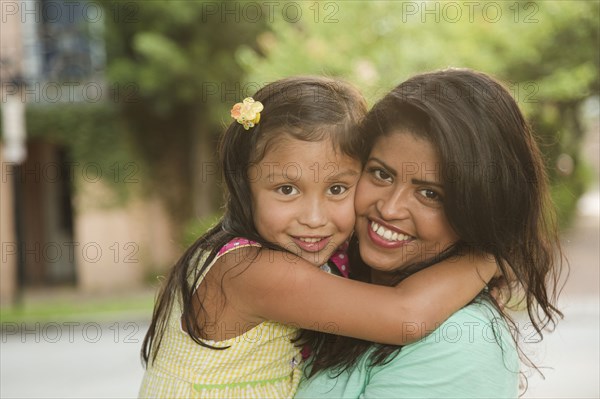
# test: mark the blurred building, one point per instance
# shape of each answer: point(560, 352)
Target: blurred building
point(52, 55)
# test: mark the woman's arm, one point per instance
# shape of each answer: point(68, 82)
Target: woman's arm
point(273, 285)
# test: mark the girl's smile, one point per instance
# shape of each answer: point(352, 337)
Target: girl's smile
point(312, 243)
point(304, 206)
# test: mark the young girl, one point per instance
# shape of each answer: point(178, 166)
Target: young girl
point(225, 320)
point(478, 183)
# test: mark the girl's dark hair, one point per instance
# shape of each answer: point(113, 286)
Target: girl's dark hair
point(303, 108)
point(496, 196)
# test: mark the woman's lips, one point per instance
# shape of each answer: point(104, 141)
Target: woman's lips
point(385, 237)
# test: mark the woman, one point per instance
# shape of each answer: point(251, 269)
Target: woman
point(453, 169)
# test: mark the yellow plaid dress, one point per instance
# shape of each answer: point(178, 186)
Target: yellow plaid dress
point(261, 363)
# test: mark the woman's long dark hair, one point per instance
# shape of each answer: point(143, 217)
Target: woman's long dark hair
point(496, 195)
point(303, 108)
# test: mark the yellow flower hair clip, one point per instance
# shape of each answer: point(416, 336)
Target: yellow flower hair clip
point(247, 113)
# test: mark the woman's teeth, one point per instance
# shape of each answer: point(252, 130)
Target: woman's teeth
point(388, 235)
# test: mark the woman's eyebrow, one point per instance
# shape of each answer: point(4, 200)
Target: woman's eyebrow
point(387, 167)
point(394, 173)
point(426, 182)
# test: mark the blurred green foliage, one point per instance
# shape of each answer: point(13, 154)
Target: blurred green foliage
point(61, 308)
point(178, 56)
point(179, 66)
point(196, 228)
point(546, 52)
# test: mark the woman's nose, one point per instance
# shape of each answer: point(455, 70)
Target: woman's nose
point(393, 206)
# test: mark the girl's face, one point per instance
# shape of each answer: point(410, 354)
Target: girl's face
point(399, 204)
point(303, 197)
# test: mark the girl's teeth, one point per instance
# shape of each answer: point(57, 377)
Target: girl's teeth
point(310, 240)
point(388, 234)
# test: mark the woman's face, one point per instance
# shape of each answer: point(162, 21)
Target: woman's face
point(399, 204)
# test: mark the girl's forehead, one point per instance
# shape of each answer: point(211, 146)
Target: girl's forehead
point(287, 145)
point(307, 163)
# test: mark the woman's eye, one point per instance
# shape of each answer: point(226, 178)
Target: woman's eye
point(381, 174)
point(338, 189)
point(287, 190)
point(430, 194)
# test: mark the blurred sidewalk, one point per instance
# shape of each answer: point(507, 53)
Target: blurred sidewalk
point(89, 354)
point(570, 356)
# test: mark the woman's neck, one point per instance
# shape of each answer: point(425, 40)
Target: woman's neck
point(383, 278)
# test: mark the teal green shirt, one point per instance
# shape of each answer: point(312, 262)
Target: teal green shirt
point(460, 359)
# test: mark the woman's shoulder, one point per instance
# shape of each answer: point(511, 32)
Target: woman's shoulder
point(481, 312)
point(475, 338)
point(472, 354)
point(477, 323)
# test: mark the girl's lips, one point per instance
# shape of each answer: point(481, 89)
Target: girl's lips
point(316, 246)
point(380, 241)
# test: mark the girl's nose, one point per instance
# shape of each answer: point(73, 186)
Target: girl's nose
point(313, 214)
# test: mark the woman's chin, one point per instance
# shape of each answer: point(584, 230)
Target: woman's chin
point(379, 262)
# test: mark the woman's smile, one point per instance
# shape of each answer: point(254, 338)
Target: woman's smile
point(399, 204)
point(387, 236)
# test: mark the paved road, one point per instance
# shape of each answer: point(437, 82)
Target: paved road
point(89, 360)
point(102, 360)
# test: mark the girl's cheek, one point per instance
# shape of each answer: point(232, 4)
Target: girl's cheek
point(364, 192)
point(349, 214)
point(362, 199)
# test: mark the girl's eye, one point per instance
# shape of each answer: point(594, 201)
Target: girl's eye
point(287, 190)
point(430, 195)
point(338, 189)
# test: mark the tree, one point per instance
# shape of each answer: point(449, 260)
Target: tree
point(173, 63)
point(546, 52)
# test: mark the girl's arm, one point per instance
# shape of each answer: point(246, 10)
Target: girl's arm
point(273, 285)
